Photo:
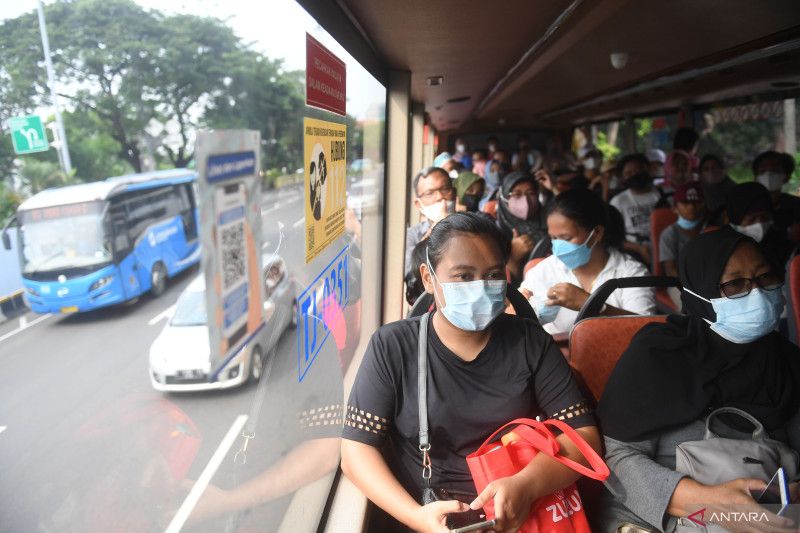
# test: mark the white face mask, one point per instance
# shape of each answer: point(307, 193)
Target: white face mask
point(754, 231)
point(461, 148)
point(773, 181)
point(439, 210)
point(453, 174)
point(588, 164)
point(492, 147)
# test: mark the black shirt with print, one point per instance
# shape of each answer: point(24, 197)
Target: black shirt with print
point(520, 373)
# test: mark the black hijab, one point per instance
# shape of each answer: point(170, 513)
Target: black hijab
point(535, 225)
point(675, 373)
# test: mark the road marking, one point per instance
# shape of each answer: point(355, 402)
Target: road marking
point(3, 428)
point(162, 315)
point(299, 223)
point(26, 326)
point(202, 482)
point(23, 321)
point(271, 209)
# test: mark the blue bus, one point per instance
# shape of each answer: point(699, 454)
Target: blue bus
point(92, 245)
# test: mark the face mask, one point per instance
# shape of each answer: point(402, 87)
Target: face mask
point(573, 255)
point(461, 148)
point(588, 164)
point(547, 313)
point(640, 180)
point(492, 147)
point(754, 231)
point(743, 320)
point(471, 201)
point(453, 174)
point(493, 178)
point(521, 207)
point(471, 305)
point(685, 223)
point(773, 181)
point(439, 210)
point(531, 159)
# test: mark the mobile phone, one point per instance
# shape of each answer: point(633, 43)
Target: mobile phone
point(475, 527)
point(777, 492)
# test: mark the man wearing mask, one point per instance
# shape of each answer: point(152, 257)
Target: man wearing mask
point(461, 155)
point(751, 213)
point(636, 203)
point(657, 158)
point(772, 170)
point(435, 199)
point(479, 162)
point(591, 159)
point(492, 146)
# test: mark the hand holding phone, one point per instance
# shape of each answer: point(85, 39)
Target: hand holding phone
point(776, 492)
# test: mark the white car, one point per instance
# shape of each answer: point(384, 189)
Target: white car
point(179, 357)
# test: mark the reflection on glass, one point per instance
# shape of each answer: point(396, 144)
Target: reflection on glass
point(190, 310)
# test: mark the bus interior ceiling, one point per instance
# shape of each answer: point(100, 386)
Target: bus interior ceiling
point(506, 66)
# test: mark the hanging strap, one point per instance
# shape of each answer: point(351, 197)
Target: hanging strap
point(539, 436)
point(422, 396)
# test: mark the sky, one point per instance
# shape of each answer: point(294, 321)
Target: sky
point(275, 28)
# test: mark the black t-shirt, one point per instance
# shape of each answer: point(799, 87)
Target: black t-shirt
point(520, 373)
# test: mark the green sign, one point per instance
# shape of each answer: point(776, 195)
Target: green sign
point(28, 135)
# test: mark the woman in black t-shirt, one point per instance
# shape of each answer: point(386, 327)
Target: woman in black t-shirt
point(485, 368)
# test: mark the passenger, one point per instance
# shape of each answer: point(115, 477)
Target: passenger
point(479, 163)
point(607, 183)
point(678, 171)
point(773, 170)
point(414, 286)
point(446, 162)
point(637, 202)
point(461, 155)
point(657, 158)
point(526, 158)
point(722, 352)
point(474, 351)
point(495, 173)
point(469, 191)
point(716, 183)
point(492, 146)
point(751, 213)
point(521, 219)
point(585, 255)
point(591, 159)
point(435, 199)
point(690, 207)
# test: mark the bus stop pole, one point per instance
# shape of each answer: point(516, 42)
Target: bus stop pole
point(51, 81)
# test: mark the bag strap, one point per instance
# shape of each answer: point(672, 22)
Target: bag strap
point(758, 431)
point(538, 435)
point(422, 396)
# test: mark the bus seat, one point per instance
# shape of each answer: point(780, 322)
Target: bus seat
point(542, 249)
point(794, 294)
point(593, 305)
point(490, 208)
point(596, 344)
point(660, 218)
point(532, 263)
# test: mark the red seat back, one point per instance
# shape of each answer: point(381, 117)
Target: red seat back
point(596, 344)
point(660, 218)
point(794, 291)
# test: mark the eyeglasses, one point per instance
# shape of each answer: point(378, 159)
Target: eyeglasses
point(741, 287)
point(443, 192)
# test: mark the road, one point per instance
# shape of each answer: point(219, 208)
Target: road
point(87, 445)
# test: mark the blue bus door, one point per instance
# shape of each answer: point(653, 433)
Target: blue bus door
point(126, 261)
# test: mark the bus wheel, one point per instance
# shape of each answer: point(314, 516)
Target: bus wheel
point(256, 363)
point(158, 279)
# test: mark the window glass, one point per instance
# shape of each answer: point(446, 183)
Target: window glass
point(656, 132)
point(738, 133)
point(90, 440)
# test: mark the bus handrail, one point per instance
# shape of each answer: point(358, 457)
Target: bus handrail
point(596, 300)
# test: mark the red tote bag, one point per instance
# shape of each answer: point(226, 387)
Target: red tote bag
point(559, 512)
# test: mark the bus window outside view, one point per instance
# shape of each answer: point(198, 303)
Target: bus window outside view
point(112, 417)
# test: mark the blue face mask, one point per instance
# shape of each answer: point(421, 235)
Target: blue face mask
point(572, 255)
point(471, 305)
point(685, 223)
point(547, 313)
point(743, 320)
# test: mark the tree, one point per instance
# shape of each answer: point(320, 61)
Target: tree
point(9, 201)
